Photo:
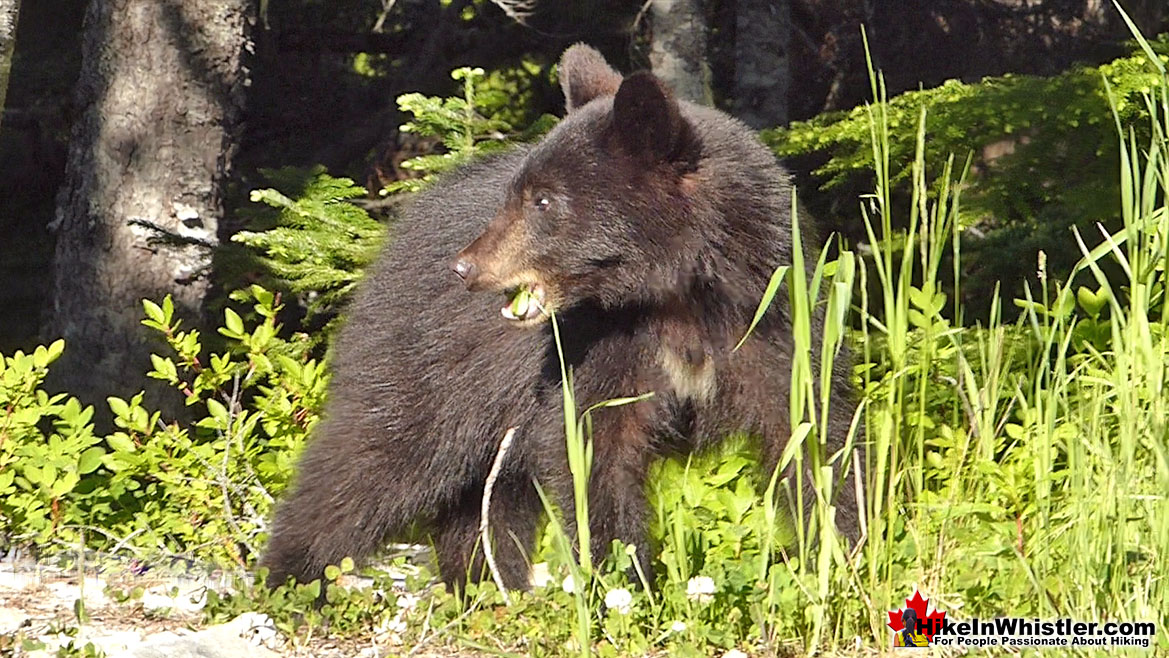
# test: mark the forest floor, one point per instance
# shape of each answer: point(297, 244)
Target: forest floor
point(156, 615)
point(148, 616)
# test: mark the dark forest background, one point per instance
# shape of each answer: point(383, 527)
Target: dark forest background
point(322, 78)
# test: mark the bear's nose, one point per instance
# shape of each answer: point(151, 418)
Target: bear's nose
point(465, 269)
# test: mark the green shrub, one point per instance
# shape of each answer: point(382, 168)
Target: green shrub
point(317, 242)
point(48, 452)
point(156, 488)
point(1043, 151)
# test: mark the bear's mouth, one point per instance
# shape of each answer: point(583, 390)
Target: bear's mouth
point(525, 303)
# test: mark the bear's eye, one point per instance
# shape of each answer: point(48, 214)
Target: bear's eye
point(542, 203)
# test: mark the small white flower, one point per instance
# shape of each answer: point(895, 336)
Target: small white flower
point(734, 653)
point(619, 599)
point(392, 625)
point(569, 585)
point(678, 627)
point(700, 588)
point(540, 575)
point(407, 601)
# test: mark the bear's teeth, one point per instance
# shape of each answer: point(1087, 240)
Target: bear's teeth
point(535, 302)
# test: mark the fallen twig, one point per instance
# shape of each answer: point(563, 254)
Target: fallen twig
point(488, 553)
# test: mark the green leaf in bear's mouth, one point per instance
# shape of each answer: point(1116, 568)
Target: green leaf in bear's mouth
point(524, 303)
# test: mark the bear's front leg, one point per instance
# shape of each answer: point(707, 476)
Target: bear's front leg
point(763, 367)
point(617, 501)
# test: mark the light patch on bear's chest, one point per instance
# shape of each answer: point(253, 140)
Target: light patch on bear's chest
point(690, 380)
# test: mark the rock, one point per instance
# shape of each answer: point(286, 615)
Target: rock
point(117, 643)
point(187, 598)
point(94, 590)
point(18, 580)
point(259, 629)
point(540, 575)
point(241, 637)
point(11, 620)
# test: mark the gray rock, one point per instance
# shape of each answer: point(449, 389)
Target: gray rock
point(117, 643)
point(11, 620)
point(242, 637)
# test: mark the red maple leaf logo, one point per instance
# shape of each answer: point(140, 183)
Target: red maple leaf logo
point(930, 623)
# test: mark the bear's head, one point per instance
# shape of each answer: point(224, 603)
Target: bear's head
point(605, 209)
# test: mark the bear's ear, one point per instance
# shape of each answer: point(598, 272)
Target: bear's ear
point(648, 121)
point(585, 75)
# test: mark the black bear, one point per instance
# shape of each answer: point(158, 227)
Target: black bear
point(650, 228)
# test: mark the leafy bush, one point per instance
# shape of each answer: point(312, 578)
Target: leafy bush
point(456, 121)
point(47, 449)
point(480, 122)
point(154, 488)
point(1043, 152)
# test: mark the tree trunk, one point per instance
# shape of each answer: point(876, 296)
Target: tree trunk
point(678, 52)
point(762, 67)
point(9, 9)
point(159, 101)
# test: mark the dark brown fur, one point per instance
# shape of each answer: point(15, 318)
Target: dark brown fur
point(660, 225)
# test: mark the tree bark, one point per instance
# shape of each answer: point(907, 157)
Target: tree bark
point(159, 102)
point(678, 54)
point(9, 10)
point(763, 31)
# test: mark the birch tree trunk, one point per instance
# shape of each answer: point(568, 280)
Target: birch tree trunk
point(159, 102)
point(678, 51)
point(9, 10)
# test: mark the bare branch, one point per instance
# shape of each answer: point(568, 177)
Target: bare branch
point(488, 553)
point(517, 10)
